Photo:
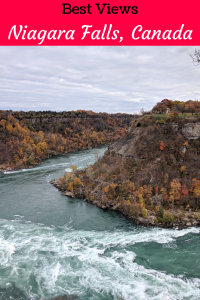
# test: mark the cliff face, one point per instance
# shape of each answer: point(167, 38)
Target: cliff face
point(191, 131)
point(127, 146)
point(33, 120)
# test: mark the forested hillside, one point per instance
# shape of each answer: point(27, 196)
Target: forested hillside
point(152, 174)
point(26, 138)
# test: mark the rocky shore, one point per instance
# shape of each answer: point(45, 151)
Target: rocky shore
point(183, 219)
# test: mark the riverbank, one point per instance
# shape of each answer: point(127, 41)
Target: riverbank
point(7, 168)
point(180, 219)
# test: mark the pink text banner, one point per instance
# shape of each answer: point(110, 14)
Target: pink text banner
point(95, 23)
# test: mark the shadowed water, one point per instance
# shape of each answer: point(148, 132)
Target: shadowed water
point(51, 245)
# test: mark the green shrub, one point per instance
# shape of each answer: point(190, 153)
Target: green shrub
point(144, 213)
point(160, 213)
point(134, 211)
point(168, 218)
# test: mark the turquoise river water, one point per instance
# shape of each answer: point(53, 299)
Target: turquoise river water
point(52, 245)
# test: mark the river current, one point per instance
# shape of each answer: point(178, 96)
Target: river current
point(52, 245)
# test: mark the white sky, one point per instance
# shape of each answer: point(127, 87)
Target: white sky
point(102, 79)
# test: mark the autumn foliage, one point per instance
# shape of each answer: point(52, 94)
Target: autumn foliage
point(167, 106)
point(162, 146)
point(160, 174)
point(28, 138)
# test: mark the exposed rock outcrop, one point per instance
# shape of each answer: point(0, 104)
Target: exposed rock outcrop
point(127, 146)
point(191, 131)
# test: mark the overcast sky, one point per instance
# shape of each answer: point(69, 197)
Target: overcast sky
point(102, 79)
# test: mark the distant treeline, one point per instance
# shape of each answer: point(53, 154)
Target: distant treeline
point(166, 105)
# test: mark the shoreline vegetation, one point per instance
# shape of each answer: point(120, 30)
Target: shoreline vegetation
point(152, 174)
point(27, 138)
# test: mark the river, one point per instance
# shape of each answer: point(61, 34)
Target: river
point(52, 245)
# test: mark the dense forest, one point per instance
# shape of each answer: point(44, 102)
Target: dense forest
point(26, 138)
point(152, 174)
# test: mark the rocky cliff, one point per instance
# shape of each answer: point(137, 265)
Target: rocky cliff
point(127, 146)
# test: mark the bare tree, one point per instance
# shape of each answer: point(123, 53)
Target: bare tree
point(196, 57)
